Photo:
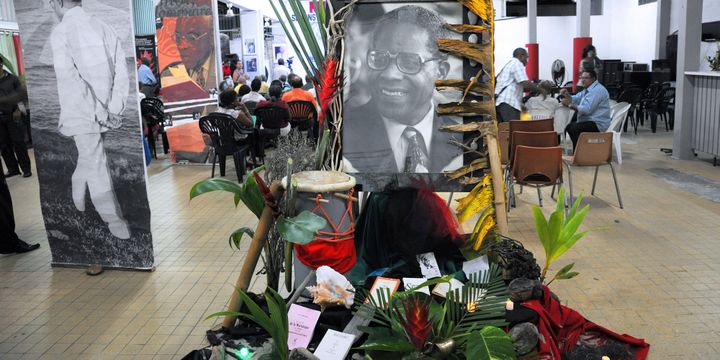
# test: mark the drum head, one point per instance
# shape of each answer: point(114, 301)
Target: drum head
point(322, 181)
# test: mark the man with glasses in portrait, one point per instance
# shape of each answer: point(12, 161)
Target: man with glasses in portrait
point(93, 86)
point(397, 131)
point(194, 40)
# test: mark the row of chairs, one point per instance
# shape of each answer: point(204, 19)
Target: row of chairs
point(532, 156)
point(224, 130)
point(655, 101)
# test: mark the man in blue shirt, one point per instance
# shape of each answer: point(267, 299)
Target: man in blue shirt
point(592, 106)
point(146, 78)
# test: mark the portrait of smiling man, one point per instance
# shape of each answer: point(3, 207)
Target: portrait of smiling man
point(397, 130)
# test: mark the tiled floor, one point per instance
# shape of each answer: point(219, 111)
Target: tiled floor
point(651, 273)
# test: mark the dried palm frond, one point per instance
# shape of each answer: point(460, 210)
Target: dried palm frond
point(479, 198)
point(484, 127)
point(481, 8)
point(477, 164)
point(465, 28)
point(467, 108)
point(482, 53)
point(477, 88)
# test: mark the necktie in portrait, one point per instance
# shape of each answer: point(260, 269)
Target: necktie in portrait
point(416, 156)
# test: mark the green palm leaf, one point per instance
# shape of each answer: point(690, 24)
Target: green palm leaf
point(490, 343)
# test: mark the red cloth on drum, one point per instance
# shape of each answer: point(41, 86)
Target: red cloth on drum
point(336, 248)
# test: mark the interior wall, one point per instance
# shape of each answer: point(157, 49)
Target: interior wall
point(625, 31)
point(711, 12)
point(251, 23)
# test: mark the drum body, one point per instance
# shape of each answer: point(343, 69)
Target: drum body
point(327, 194)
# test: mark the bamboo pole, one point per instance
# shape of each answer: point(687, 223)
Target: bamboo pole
point(496, 171)
point(251, 259)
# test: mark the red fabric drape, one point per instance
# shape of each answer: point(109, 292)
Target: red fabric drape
point(561, 327)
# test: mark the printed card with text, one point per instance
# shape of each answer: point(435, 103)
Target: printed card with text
point(382, 283)
point(301, 321)
point(334, 345)
point(475, 265)
point(410, 283)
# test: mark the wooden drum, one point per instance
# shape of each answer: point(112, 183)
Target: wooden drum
point(328, 194)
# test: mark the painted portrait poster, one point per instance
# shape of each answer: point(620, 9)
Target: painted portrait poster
point(80, 70)
point(186, 49)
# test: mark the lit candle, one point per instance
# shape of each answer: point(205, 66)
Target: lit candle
point(509, 305)
point(605, 358)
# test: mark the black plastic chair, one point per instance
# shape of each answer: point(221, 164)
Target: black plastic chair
point(222, 129)
point(251, 106)
point(303, 117)
point(271, 119)
point(632, 95)
point(660, 108)
point(153, 112)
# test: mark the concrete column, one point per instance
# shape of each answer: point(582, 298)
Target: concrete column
point(582, 14)
point(687, 60)
point(532, 21)
point(663, 27)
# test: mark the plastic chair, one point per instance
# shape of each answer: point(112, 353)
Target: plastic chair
point(251, 106)
point(303, 115)
point(153, 112)
point(271, 119)
point(633, 96)
point(619, 114)
point(530, 139)
point(594, 149)
point(538, 167)
point(222, 129)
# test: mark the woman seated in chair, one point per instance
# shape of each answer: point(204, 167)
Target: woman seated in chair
point(230, 105)
point(275, 93)
point(543, 104)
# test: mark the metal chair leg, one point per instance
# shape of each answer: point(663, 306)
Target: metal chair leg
point(592, 192)
point(617, 187)
point(567, 203)
point(539, 195)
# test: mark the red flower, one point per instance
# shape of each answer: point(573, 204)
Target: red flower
point(416, 321)
point(327, 86)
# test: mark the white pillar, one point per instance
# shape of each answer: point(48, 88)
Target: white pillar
point(532, 21)
point(583, 18)
point(687, 60)
point(663, 27)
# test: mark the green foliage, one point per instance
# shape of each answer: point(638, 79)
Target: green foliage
point(715, 61)
point(559, 233)
point(275, 323)
point(238, 234)
point(485, 293)
point(300, 229)
point(247, 192)
point(309, 50)
point(321, 150)
point(490, 343)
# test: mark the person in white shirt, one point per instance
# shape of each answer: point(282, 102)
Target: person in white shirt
point(280, 70)
point(254, 95)
point(93, 87)
point(509, 87)
point(543, 105)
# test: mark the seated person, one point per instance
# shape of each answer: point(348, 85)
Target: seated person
point(254, 94)
point(543, 104)
point(592, 106)
point(242, 90)
point(297, 93)
point(264, 87)
point(275, 93)
point(283, 81)
point(230, 105)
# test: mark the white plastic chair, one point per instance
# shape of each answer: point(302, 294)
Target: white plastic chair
point(618, 114)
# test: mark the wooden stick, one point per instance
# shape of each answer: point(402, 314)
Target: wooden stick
point(253, 254)
point(346, 197)
point(496, 170)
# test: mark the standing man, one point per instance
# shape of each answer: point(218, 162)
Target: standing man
point(146, 78)
point(9, 241)
point(280, 70)
point(592, 106)
point(92, 82)
point(511, 81)
point(398, 129)
point(12, 131)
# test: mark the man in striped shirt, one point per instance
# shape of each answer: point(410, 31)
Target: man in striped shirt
point(509, 87)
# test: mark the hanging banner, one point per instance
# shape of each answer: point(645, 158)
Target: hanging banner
point(186, 52)
point(145, 48)
point(80, 70)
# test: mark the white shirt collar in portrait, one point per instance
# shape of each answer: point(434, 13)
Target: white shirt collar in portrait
point(395, 131)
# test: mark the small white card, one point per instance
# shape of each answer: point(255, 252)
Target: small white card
point(334, 345)
point(410, 283)
point(428, 265)
point(475, 265)
point(442, 288)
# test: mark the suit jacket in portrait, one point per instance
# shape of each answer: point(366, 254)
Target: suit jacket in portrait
point(367, 147)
